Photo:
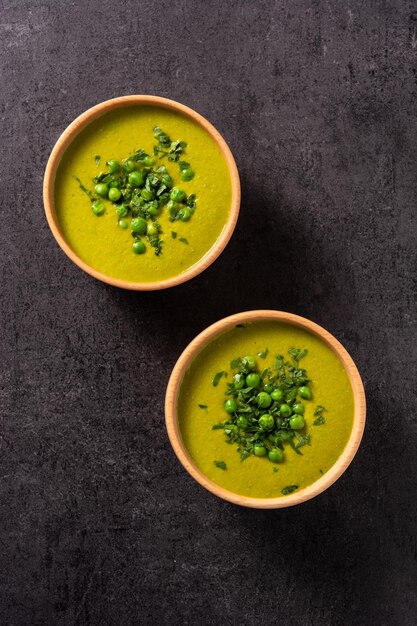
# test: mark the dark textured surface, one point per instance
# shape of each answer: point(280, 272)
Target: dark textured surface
point(99, 523)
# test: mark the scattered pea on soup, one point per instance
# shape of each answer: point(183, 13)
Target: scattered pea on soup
point(265, 409)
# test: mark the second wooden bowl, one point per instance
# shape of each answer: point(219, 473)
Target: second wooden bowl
point(207, 336)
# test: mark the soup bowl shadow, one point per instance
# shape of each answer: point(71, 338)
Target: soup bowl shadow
point(172, 418)
point(71, 133)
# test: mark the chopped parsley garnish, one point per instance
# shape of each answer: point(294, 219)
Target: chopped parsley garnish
point(203, 406)
point(220, 464)
point(140, 189)
point(318, 413)
point(173, 234)
point(263, 354)
point(217, 378)
point(173, 151)
point(85, 190)
point(289, 489)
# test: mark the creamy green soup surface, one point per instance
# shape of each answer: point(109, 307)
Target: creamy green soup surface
point(257, 476)
point(97, 240)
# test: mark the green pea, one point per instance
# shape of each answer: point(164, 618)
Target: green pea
point(114, 194)
point(147, 194)
point(122, 210)
point(113, 166)
point(259, 449)
point(129, 165)
point(276, 455)
point(277, 395)
point(152, 210)
point(238, 381)
point(242, 422)
point(285, 410)
point(98, 208)
point(136, 178)
point(297, 422)
point(148, 161)
point(101, 189)
point(187, 174)
point(249, 362)
point(304, 392)
point(263, 400)
point(114, 183)
point(268, 388)
point(298, 408)
point(123, 224)
point(230, 406)
point(138, 225)
point(151, 230)
point(184, 214)
point(139, 247)
point(266, 421)
point(177, 194)
point(253, 380)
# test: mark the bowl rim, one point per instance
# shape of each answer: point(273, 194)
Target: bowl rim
point(69, 134)
point(186, 358)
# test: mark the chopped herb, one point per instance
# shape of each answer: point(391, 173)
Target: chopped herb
point(302, 440)
point(318, 413)
point(173, 234)
point(275, 469)
point(296, 354)
point(217, 426)
point(220, 464)
point(240, 326)
point(217, 378)
point(263, 354)
point(97, 159)
point(183, 240)
point(289, 489)
point(85, 190)
point(321, 471)
point(203, 406)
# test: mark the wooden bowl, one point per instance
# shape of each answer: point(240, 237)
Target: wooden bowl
point(78, 125)
point(185, 361)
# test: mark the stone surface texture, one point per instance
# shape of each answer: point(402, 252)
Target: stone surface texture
point(99, 524)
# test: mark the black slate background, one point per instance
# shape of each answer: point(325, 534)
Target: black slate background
point(99, 523)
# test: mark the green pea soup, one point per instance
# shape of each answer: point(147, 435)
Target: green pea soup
point(257, 477)
point(98, 241)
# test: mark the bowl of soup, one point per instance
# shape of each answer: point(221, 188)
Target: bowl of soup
point(265, 409)
point(142, 192)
